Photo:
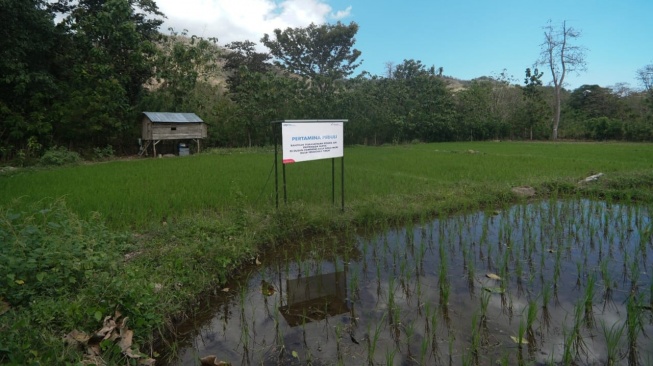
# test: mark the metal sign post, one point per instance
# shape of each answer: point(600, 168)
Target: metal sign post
point(306, 140)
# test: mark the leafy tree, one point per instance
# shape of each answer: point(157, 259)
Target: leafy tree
point(594, 101)
point(28, 42)
point(243, 55)
point(562, 57)
point(181, 62)
point(110, 57)
point(535, 107)
point(411, 69)
point(321, 53)
point(421, 106)
point(474, 111)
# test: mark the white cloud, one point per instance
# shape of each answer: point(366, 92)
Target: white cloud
point(340, 14)
point(239, 20)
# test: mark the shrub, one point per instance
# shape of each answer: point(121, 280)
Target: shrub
point(58, 156)
point(50, 252)
point(103, 153)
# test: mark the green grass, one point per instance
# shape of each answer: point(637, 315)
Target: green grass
point(135, 193)
point(187, 223)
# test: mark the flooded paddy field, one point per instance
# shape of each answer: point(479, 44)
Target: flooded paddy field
point(553, 282)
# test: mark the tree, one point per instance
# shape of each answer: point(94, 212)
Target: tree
point(28, 43)
point(562, 57)
point(535, 105)
point(110, 57)
point(411, 69)
point(321, 53)
point(183, 61)
point(645, 76)
point(243, 55)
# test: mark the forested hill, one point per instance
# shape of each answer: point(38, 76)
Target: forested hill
point(83, 81)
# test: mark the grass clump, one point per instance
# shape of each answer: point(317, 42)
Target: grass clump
point(58, 156)
point(60, 273)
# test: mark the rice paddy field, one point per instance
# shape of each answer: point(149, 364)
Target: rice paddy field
point(554, 282)
point(434, 260)
point(134, 193)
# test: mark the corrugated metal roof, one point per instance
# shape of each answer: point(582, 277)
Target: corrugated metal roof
point(168, 117)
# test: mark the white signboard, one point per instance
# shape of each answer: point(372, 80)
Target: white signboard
point(311, 141)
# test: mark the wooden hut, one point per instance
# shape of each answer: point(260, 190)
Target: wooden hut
point(158, 126)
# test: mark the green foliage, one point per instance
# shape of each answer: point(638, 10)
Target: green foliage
point(323, 53)
point(604, 128)
point(27, 84)
point(183, 62)
point(243, 55)
point(103, 153)
point(48, 251)
point(58, 156)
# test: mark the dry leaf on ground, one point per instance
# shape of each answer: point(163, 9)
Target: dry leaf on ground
point(493, 276)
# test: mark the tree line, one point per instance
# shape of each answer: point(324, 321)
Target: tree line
point(78, 74)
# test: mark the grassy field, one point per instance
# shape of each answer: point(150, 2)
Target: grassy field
point(149, 237)
point(131, 194)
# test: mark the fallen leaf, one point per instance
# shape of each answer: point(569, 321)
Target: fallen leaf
point(125, 339)
point(4, 307)
point(93, 360)
point(226, 289)
point(132, 354)
point(76, 337)
point(93, 350)
point(147, 362)
point(295, 355)
point(516, 340)
point(494, 290)
point(258, 262)
point(208, 360)
point(493, 276)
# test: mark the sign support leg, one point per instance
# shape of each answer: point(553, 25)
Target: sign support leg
point(333, 181)
point(342, 182)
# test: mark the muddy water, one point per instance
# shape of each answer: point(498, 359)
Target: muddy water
point(421, 294)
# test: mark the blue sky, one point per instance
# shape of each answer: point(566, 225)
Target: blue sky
point(468, 38)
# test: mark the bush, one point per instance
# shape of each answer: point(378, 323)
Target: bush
point(58, 156)
point(49, 251)
point(103, 153)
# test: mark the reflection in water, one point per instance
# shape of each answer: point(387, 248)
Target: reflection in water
point(575, 282)
point(311, 299)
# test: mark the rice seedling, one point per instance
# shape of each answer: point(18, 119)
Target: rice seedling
point(634, 325)
point(339, 354)
point(607, 283)
point(390, 355)
point(531, 316)
point(588, 298)
point(373, 342)
point(475, 338)
point(612, 336)
point(424, 349)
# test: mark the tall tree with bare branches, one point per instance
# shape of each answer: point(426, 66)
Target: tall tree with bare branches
point(645, 76)
point(562, 56)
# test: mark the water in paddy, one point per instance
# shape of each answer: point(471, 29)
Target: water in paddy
point(570, 282)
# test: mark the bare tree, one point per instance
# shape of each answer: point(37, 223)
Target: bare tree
point(645, 76)
point(562, 57)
